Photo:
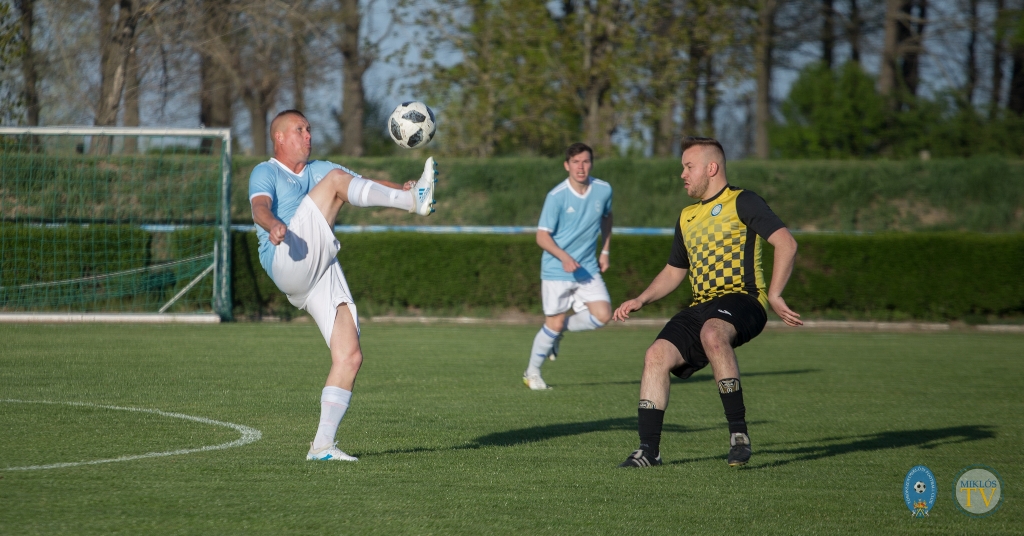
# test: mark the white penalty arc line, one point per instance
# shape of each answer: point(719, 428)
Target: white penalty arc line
point(249, 435)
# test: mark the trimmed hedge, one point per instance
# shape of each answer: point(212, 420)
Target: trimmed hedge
point(981, 194)
point(925, 276)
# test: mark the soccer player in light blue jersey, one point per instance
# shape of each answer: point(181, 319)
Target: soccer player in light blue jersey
point(575, 214)
point(294, 204)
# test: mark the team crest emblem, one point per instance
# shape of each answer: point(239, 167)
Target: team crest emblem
point(716, 210)
point(919, 490)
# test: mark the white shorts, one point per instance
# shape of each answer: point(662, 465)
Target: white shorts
point(560, 296)
point(306, 269)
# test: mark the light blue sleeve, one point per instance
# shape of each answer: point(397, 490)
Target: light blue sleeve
point(261, 181)
point(608, 204)
point(549, 214)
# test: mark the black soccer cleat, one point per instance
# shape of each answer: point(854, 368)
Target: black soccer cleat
point(740, 452)
point(641, 458)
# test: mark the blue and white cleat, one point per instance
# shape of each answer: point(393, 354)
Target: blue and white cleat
point(330, 453)
point(423, 191)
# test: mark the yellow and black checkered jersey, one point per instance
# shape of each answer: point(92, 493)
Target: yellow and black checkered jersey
point(716, 240)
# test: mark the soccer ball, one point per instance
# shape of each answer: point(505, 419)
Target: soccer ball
point(412, 125)
point(920, 487)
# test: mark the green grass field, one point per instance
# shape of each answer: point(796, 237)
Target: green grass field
point(452, 443)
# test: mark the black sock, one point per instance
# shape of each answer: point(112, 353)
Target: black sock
point(649, 422)
point(732, 401)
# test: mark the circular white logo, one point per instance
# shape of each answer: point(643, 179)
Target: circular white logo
point(978, 491)
point(716, 210)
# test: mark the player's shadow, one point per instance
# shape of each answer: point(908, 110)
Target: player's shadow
point(705, 377)
point(533, 434)
point(923, 438)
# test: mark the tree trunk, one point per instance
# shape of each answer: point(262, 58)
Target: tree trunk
point(216, 88)
point(692, 84)
point(998, 48)
point(131, 99)
point(116, 42)
point(853, 31)
point(353, 97)
point(1016, 103)
point(30, 75)
point(299, 65)
point(887, 69)
point(600, 30)
point(763, 72)
point(710, 96)
point(828, 31)
point(972, 63)
point(665, 127)
point(259, 102)
point(911, 43)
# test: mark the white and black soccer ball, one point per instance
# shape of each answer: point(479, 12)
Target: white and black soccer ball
point(412, 125)
point(920, 487)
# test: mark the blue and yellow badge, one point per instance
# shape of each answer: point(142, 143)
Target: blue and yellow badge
point(716, 210)
point(919, 490)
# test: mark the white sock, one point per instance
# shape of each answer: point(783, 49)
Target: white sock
point(542, 345)
point(583, 321)
point(366, 193)
point(333, 403)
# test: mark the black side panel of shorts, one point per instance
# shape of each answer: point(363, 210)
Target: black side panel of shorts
point(743, 311)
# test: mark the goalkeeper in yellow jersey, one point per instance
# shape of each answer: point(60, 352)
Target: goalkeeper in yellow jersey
point(716, 246)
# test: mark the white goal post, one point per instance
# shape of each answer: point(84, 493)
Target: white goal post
point(115, 224)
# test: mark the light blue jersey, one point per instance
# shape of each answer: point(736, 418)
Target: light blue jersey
point(286, 190)
point(574, 222)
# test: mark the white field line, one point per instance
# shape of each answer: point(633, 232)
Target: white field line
point(249, 435)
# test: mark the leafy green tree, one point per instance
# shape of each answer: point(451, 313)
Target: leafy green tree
point(831, 114)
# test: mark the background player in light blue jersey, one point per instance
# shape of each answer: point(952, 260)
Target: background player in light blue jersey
point(575, 213)
point(294, 203)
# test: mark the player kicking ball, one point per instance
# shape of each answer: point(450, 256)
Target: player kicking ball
point(716, 244)
point(294, 204)
point(575, 213)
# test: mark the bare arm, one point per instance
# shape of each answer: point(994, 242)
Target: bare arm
point(668, 280)
point(264, 217)
point(785, 254)
point(606, 244)
point(548, 244)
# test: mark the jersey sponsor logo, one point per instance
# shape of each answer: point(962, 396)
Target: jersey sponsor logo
point(919, 490)
point(570, 210)
point(978, 491)
point(716, 210)
point(723, 311)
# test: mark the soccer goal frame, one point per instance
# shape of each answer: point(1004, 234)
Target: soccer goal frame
point(104, 142)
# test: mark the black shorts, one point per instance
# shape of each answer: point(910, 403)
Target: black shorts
point(743, 311)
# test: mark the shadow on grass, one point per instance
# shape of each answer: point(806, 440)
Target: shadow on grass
point(534, 434)
point(705, 377)
point(837, 446)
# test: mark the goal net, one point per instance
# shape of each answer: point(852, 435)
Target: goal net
point(114, 224)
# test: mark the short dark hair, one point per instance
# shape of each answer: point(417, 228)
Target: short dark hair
point(288, 112)
point(576, 149)
point(691, 141)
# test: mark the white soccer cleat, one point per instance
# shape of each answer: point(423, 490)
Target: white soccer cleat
point(423, 191)
point(535, 382)
point(329, 453)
